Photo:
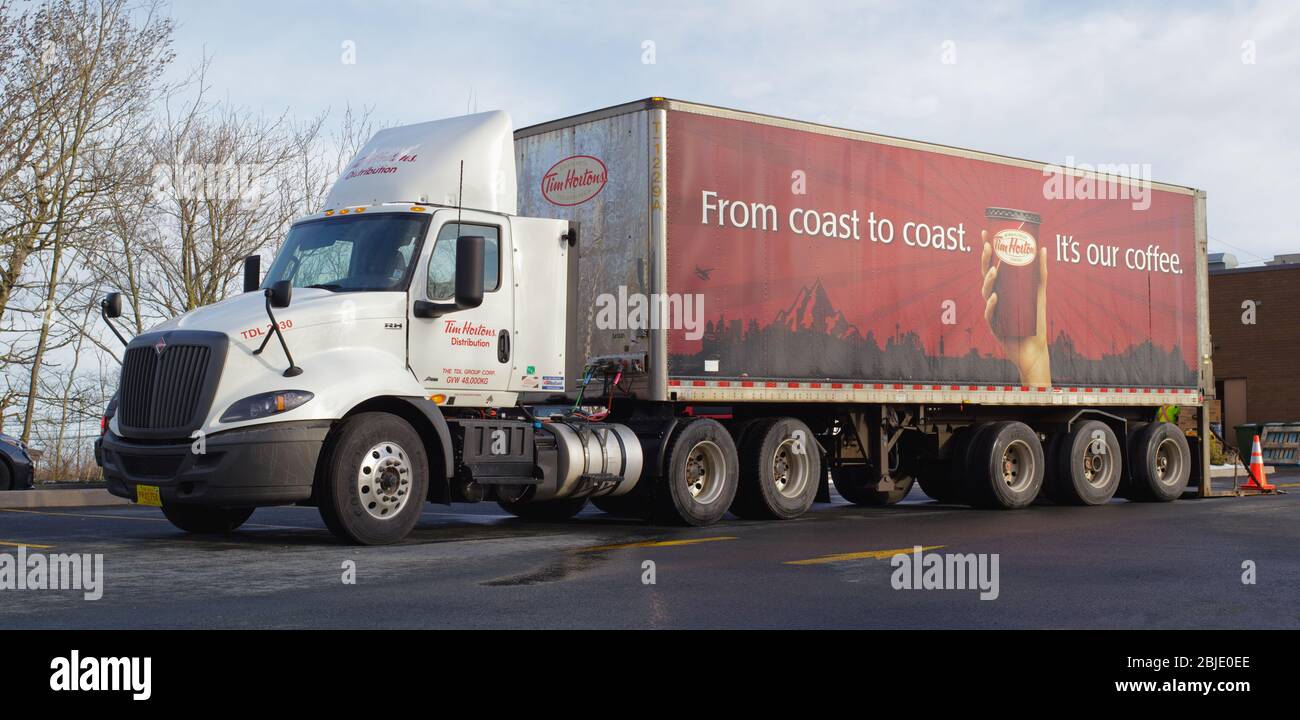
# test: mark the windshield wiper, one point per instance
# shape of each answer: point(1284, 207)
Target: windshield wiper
point(327, 286)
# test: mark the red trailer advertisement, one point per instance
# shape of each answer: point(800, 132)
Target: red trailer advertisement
point(825, 256)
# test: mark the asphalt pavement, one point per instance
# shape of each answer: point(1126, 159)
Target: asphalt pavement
point(1212, 563)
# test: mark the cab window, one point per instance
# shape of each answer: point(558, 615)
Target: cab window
point(442, 263)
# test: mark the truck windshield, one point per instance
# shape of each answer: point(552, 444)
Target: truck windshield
point(349, 254)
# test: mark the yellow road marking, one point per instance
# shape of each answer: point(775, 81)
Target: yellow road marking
point(865, 555)
point(141, 517)
point(657, 543)
point(88, 515)
point(30, 545)
point(1287, 484)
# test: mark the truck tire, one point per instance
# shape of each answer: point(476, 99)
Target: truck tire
point(856, 483)
point(936, 476)
point(700, 475)
point(960, 461)
point(373, 479)
point(780, 470)
point(203, 520)
point(1007, 467)
point(1160, 463)
point(1084, 465)
point(1134, 431)
point(545, 511)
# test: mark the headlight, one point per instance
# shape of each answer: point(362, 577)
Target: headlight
point(272, 403)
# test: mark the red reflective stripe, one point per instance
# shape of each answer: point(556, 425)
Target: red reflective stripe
point(769, 384)
point(792, 385)
point(837, 386)
point(674, 383)
point(724, 383)
point(747, 383)
point(699, 383)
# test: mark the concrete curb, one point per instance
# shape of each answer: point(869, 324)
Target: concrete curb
point(71, 497)
point(1242, 473)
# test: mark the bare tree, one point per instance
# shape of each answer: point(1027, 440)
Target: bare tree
point(86, 73)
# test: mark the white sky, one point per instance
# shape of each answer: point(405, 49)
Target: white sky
point(1165, 84)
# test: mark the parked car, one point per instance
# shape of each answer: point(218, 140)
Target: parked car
point(15, 464)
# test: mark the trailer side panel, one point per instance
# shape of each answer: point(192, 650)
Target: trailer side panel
point(833, 267)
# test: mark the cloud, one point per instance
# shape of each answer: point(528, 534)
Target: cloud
point(1163, 84)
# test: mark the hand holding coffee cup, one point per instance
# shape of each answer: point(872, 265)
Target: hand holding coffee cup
point(1015, 291)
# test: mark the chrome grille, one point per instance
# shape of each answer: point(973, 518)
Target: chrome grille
point(165, 391)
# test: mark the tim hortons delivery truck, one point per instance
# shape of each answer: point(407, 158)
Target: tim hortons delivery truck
point(675, 311)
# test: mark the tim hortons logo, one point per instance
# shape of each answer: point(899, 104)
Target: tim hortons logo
point(574, 180)
point(1015, 247)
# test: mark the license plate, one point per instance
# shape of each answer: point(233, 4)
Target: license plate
point(148, 495)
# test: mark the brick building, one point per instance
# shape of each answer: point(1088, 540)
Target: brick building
point(1255, 331)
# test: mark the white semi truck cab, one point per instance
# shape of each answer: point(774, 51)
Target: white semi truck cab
point(697, 312)
point(383, 362)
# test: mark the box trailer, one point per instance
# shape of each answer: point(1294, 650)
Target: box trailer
point(674, 311)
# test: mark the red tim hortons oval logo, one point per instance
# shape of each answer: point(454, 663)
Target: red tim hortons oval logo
point(1015, 247)
point(574, 180)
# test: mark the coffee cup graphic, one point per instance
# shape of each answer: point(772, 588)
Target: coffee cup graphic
point(1013, 235)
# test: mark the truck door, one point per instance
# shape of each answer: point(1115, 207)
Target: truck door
point(464, 355)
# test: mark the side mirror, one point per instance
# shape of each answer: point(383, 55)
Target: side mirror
point(252, 273)
point(469, 280)
point(280, 293)
point(469, 271)
point(111, 305)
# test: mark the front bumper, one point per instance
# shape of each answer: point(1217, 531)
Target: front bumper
point(270, 464)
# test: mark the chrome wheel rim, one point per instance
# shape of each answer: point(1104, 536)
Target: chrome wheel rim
point(1168, 462)
point(1017, 466)
point(706, 469)
point(384, 480)
point(790, 469)
point(1098, 464)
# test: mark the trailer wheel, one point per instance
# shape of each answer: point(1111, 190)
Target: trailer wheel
point(202, 520)
point(1130, 444)
point(1085, 465)
point(1007, 467)
point(700, 475)
point(1160, 463)
point(546, 510)
point(936, 476)
point(780, 470)
point(373, 481)
point(960, 461)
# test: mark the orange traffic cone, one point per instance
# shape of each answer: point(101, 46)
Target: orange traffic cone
point(1258, 479)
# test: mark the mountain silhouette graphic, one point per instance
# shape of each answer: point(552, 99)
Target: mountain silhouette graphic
point(812, 310)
